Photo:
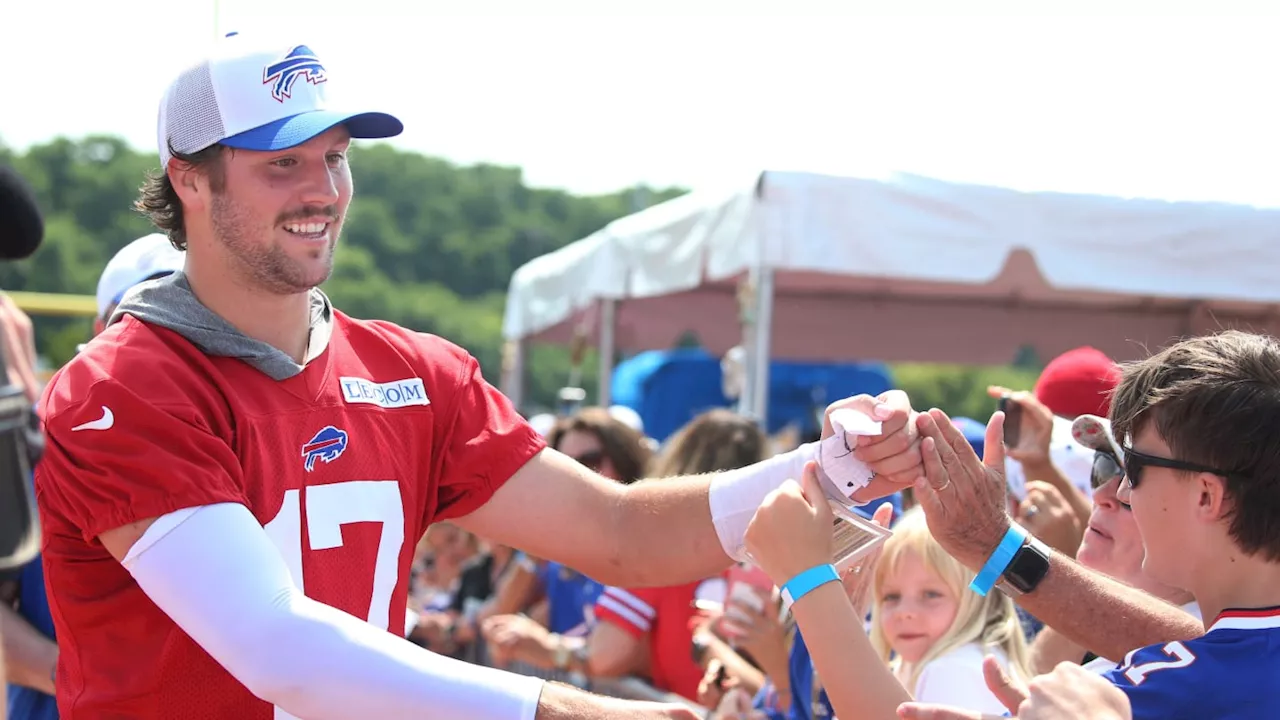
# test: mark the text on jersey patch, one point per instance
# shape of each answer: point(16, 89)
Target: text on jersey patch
point(394, 394)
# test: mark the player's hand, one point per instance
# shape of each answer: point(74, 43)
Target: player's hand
point(894, 454)
point(964, 499)
point(791, 530)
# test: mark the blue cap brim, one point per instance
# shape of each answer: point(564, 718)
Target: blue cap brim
point(297, 129)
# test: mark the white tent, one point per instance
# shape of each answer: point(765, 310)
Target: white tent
point(901, 268)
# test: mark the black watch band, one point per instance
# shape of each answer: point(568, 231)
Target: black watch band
point(1027, 568)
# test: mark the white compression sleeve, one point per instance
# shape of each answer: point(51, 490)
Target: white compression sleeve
point(737, 494)
point(217, 574)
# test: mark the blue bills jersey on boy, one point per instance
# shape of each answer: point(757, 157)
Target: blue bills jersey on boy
point(1229, 673)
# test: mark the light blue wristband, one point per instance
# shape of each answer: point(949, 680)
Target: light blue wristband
point(999, 561)
point(804, 583)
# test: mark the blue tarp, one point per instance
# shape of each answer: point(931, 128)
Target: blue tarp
point(668, 388)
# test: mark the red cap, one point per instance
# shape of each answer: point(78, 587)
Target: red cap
point(1078, 382)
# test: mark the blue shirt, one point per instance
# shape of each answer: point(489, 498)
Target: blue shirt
point(33, 606)
point(570, 595)
point(765, 702)
point(1229, 673)
point(805, 703)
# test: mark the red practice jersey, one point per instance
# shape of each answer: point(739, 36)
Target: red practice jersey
point(345, 465)
point(664, 618)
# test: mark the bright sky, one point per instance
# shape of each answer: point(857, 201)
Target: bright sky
point(585, 98)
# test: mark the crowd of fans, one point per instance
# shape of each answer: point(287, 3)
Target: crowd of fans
point(741, 655)
point(726, 644)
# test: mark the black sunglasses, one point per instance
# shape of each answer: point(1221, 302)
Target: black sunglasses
point(592, 459)
point(1105, 469)
point(1135, 462)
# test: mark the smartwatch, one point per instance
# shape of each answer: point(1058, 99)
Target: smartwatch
point(1027, 568)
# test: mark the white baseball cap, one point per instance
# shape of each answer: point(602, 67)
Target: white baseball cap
point(254, 95)
point(147, 257)
point(1095, 432)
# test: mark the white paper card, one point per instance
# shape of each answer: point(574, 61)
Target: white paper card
point(840, 472)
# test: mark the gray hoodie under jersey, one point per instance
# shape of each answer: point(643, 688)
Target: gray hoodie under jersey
point(169, 303)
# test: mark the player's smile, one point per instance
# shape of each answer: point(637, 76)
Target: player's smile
point(315, 230)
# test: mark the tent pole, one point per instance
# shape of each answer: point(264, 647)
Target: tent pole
point(608, 319)
point(761, 342)
point(746, 316)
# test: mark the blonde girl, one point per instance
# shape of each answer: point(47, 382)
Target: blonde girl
point(791, 535)
point(934, 631)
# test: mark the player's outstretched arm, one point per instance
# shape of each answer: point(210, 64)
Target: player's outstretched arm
point(217, 574)
point(555, 508)
point(673, 530)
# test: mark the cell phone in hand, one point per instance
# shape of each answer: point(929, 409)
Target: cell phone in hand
point(748, 590)
point(1012, 420)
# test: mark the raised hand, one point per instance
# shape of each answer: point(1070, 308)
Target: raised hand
point(965, 500)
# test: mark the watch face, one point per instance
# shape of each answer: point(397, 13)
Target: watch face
point(1028, 568)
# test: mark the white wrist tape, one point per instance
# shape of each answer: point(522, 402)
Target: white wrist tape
point(736, 495)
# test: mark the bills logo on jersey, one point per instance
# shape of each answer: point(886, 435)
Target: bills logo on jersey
point(299, 62)
point(327, 446)
point(394, 394)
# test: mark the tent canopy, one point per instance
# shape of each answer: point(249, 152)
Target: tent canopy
point(907, 268)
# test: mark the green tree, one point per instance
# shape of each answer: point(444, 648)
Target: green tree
point(959, 390)
point(427, 244)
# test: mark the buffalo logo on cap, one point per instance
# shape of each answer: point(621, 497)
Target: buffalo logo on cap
point(300, 62)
